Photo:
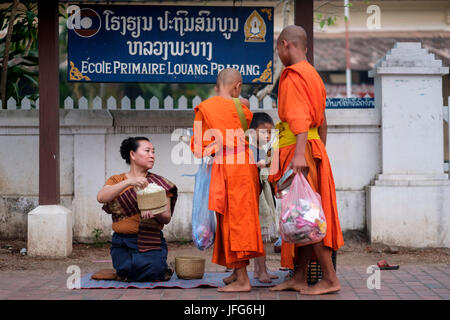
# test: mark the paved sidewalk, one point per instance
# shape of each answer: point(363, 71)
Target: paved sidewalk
point(427, 282)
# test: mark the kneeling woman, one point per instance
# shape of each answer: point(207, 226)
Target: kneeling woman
point(139, 250)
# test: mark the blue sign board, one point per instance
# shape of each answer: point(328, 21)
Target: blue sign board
point(350, 103)
point(169, 43)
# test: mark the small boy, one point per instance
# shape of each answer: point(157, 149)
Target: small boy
point(260, 132)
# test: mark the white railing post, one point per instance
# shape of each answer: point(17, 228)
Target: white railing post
point(68, 103)
point(254, 103)
point(111, 103)
point(140, 103)
point(168, 103)
point(26, 104)
point(125, 103)
point(83, 103)
point(11, 104)
point(196, 101)
point(154, 103)
point(97, 103)
point(267, 102)
point(182, 103)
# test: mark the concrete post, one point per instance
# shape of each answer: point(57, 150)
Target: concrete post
point(408, 205)
point(50, 231)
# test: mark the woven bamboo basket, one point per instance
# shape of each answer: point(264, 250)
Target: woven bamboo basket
point(189, 267)
point(156, 201)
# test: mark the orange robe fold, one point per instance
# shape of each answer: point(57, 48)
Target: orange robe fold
point(234, 188)
point(301, 103)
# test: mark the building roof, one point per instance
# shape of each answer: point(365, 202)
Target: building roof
point(367, 48)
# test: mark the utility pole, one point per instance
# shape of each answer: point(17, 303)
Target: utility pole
point(348, 71)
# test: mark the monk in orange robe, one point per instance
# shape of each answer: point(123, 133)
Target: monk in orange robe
point(301, 108)
point(234, 188)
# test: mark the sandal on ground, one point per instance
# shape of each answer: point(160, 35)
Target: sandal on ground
point(384, 265)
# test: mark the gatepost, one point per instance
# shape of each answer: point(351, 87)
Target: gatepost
point(408, 203)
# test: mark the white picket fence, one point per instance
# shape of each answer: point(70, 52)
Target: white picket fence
point(139, 103)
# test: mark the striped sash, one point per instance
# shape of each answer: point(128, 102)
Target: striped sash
point(125, 206)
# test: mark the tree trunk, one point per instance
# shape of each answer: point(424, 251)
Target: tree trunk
point(12, 18)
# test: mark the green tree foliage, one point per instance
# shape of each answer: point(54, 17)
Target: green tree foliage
point(22, 75)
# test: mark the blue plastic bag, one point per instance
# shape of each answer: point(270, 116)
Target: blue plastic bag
point(203, 219)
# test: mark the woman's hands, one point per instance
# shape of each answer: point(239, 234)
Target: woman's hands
point(110, 192)
point(147, 214)
point(163, 217)
point(138, 182)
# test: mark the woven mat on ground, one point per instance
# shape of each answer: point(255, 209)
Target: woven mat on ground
point(210, 279)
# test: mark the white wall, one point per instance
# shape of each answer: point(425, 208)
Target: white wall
point(90, 141)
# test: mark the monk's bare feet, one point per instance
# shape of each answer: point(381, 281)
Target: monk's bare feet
point(237, 286)
point(230, 279)
point(264, 277)
point(291, 284)
point(293, 281)
point(324, 286)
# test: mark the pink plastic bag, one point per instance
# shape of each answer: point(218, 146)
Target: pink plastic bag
point(302, 219)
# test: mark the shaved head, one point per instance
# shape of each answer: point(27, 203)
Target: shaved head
point(228, 76)
point(295, 35)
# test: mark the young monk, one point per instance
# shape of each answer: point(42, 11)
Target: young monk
point(234, 188)
point(303, 133)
